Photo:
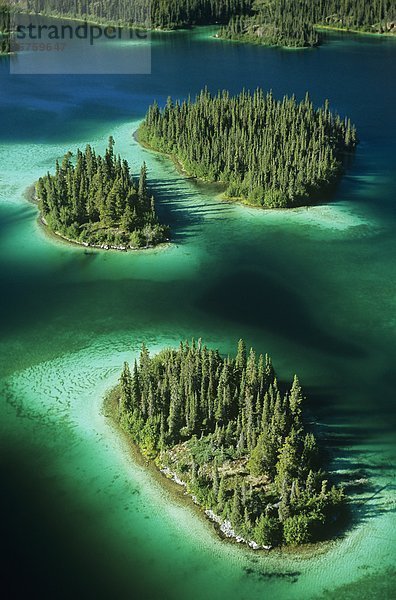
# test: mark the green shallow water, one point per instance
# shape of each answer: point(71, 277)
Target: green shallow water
point(314, 287)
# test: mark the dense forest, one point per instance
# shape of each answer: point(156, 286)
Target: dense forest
point(238, 441)
point(291, 23)
point(275, 22)
point(98, 202)
point(269, 153)
point(164, 14)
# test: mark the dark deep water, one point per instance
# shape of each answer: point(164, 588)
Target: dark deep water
point(315, 288)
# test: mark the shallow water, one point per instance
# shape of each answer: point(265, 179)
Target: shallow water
point(314, 287)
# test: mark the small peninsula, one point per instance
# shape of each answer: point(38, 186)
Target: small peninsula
point(225, 429)
point(294, 24)
point(97, 202)
point(269, 153)
point(274, 23)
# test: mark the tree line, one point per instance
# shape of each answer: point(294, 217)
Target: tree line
point(275, 22)
point(97, 201)
point(238, 440)
point(164, 14)
point(270, 153)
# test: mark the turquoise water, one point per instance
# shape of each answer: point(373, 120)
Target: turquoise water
point(314, 287)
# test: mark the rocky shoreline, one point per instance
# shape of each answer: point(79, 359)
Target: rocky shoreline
point(97, 246)
point(223, 526)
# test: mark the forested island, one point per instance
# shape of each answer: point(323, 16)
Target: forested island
point(273, 22)
point(269, 153)
point(97, 202)
point(235, 438)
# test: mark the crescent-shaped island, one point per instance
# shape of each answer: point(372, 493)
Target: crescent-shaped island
point(237, 440)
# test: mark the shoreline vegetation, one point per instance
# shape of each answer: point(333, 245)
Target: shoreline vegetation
point(390, 34)
point(267, 153)
point(168, 478)
point(178, 491)
point(56, 235)
point(239, 446)
point(97, 203)
point(149, 14)
point(221, 195)
point(282, 23)
point(246, 38)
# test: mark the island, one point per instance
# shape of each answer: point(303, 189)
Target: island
point(236, 439)
point(97, 202)
point(269, 153)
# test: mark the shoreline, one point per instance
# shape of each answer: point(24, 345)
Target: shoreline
point(256, 41)
point(221, 530)
point(250, 39)
point(177, 162)
point(386, 34)
point(222, 196)
point(168, 479)
point(86, 245)
point(96, 247)
point(105, 23)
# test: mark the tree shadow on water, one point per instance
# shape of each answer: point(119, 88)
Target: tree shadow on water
point(183, 209)
point(262, 301)
point(357, 458)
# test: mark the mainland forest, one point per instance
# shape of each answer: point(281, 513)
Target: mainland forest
point(97, 202)
point(162, 14)
point(273, 22)
point(238, 440)
point(270, 153)
point(5, 43)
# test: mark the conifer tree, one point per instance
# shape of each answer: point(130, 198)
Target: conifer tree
point(221, 496)
point(240, 361)
point(125, 388)
point(236, 515)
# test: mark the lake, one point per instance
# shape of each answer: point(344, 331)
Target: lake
point(314, 287)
